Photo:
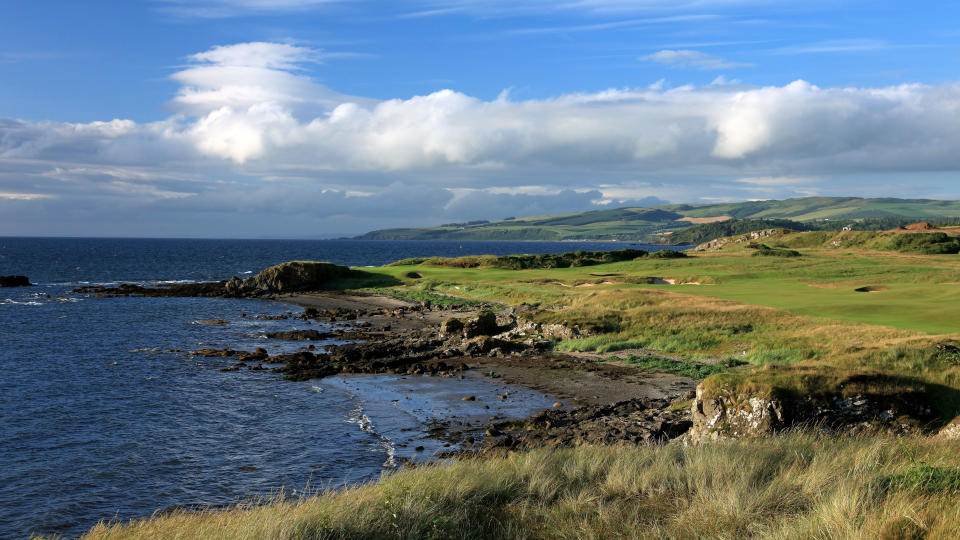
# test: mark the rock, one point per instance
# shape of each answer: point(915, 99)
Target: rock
point(451, 326)
point(864, 404)
point(209, 353)
point(950, 431)
point(299, 335)
point(212, 322)
point(484, 324)
point(288, 277)
point(482, 345)
point(634, 422)
point(733, 416)
point(14, 281)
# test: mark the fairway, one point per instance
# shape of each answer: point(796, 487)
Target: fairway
point(912, 292)
point(917, 293)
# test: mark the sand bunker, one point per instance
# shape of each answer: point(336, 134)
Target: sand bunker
point(872, 288)
point(673, 281)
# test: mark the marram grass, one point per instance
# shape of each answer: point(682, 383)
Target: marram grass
point(792, 486)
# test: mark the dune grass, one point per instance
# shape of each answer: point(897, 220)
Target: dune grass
point(791, 486)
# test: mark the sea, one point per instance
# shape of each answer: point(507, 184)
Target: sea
point(105, 416)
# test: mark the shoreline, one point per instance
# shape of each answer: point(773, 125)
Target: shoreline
point(570, 376)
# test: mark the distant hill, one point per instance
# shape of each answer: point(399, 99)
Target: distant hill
point(692, 223)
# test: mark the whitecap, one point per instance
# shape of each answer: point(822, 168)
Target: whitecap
point(11, 301)
point(363, 421)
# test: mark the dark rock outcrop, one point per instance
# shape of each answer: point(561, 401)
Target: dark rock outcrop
point(14, 281)
point(901, 407)
point(300, 335)
point(632, 422)
point(484, 324)
point(293, 276)
point(178, 290)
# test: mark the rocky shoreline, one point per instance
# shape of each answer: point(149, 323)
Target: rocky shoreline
point(604, 403)
point(607, 402)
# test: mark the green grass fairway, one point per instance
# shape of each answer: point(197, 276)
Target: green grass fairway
point(922, 292)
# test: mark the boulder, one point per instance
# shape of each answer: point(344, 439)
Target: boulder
point(860, 404)
point(285, 277)
point(451, 326)
point(484, 324)
point(14, 281)
point(950, 431)
point(734, 416)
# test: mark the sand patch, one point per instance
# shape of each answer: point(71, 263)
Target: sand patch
point(588, 284)
point(673, 281)
point(699, 220)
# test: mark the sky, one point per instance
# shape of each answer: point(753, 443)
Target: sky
point(326, 118)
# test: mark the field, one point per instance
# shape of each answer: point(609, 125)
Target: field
point(649, 224)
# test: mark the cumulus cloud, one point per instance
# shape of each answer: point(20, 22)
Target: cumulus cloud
point(686, 58)
point(251, 111)
point(248, 105)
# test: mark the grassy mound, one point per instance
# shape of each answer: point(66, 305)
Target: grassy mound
point(763, 250)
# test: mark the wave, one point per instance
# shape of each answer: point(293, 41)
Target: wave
point(11, 301)
point(363, 421)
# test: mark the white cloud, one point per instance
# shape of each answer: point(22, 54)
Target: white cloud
point(685, 58)
point(250, 127)
point(250, 74)
point(834, 46)
point(24, 196)
point(249, 106)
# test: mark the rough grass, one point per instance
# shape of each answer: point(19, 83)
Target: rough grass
point(422, 295)
point(793, 320)
point(695, 370)
point(793, 486)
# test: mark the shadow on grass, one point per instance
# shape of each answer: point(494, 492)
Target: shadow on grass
point(361, 279)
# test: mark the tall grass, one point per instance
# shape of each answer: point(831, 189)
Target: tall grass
point(793, 486)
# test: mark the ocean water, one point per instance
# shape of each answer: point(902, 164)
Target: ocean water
point(102, 416)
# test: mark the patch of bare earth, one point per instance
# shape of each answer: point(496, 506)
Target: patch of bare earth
point(700, 220)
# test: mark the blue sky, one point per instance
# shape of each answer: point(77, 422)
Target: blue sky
point(242, 118)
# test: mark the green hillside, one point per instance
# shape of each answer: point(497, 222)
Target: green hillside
point(659, 224)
